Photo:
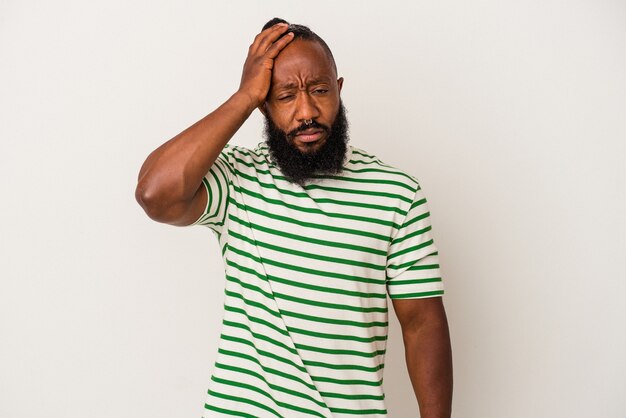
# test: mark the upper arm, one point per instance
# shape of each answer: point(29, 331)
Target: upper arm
point(414, 281)
point(211, 201)
point(414, 313)
point(206, 207)
point(179, 214)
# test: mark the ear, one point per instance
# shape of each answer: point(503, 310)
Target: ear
point(263, 109)
point(340, 83)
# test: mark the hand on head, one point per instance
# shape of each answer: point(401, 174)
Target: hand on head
point(257, 70)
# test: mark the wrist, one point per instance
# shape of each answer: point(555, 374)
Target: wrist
point(245, 101)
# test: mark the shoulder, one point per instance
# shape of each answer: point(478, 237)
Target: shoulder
point(365, 164)
point(239, 156)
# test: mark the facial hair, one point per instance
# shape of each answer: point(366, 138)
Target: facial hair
point(300, 167)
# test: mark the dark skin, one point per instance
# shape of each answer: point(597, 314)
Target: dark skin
point(304, 87)
point(291, 82)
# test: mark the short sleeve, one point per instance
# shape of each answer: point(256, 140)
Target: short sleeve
point(217, 182)
point(412, 259)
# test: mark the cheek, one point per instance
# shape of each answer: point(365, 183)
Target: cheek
point(281, 115)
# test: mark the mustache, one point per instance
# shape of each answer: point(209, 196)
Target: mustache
point(303, 127)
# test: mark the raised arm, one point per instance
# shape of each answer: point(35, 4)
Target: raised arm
point(169, 186)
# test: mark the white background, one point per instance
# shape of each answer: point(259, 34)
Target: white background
point(512, 114)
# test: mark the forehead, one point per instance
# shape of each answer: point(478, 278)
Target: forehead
point(302, 59)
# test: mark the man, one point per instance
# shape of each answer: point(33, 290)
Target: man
point(314, 234)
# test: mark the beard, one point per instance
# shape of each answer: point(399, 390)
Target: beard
point(300, 167)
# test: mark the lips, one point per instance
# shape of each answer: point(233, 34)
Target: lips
point(309, 135)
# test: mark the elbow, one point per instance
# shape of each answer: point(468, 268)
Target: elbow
point(152, 202)
point(146, 199)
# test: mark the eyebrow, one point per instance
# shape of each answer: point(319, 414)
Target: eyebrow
point(293, 85)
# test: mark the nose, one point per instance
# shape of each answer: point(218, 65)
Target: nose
point(306, 108)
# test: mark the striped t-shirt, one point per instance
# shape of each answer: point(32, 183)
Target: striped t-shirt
point(308, 270)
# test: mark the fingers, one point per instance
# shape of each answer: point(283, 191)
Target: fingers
point(266, 38)
point(278, 46)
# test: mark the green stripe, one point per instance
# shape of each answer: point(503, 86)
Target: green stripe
point(254, 318)
point(380, 170)
point(416, 281)
point(320, 187)
point(282, 359)
point(308, 255)
point(309, 224)
point(255, 165)
point(412, 267)
point(411, 249)
point(291, 298)
point(262, 162)
point(303, 346)
point(338, 352)
point(219, 194)
point(352, 397)
point(359, 192)
point(417, 202)
point(416, 295)
point(386, 208)
point(266, 369)
point(344, 367)
point(330, 305)
point(249, 286)
point(226, 187)
point(263, 353)
point(305, 285)
point(310, 240)
point(273, 386)
point(305, 317)
point(358, 411)
point(416, 219)
point(296, 379)
point(363, 153)
point(411, 235)
point(207, 215)
point(322, 273)
point(262, 392)
point(254, 303)
point(228, 411)
point(360, 205)
point(210, 194)
point(369, 163)
point(348, 381)
point(244, 400)
point(224, 158)
point(259, 336)
point(367, 181)
point(314, 210)
point(334, 321)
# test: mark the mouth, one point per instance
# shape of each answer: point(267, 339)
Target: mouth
point(309, 135)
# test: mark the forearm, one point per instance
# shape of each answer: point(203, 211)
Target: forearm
point(429, 362)
point(174, 171)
